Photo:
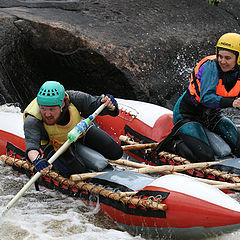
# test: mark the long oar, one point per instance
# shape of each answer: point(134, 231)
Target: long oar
point(72, 136)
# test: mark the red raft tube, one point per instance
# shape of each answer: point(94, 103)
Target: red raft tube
point(152, 121)
point(193, 209)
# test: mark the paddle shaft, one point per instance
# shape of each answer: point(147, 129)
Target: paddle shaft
point(61, 150)
point(35, 178)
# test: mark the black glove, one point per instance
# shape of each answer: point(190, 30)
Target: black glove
point(40, 163)
point(114, 102)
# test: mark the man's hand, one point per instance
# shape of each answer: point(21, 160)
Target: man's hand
point(41, 165)
point(109, 102)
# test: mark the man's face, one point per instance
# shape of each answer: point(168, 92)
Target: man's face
point(50, 114)
point(226, 60)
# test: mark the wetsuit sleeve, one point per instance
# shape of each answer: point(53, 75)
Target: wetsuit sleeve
point(87, 104)
point(209, 79)
point(33, 131)
point(226, 102)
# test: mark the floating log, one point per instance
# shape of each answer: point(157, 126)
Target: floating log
point(122, 194)
point(17, 162)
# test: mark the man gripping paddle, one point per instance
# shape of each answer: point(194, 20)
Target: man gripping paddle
point(52, 115)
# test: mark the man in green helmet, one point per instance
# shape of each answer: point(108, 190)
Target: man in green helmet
point(54, 113)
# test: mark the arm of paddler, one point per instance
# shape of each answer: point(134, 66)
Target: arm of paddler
point(32, 131)
point(111, 105)
point(40, 164)
point(87, 104)
point(209, 81)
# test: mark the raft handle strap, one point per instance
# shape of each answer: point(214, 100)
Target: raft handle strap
point(15, 150)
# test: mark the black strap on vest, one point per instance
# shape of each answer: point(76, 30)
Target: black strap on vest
point(195, 83)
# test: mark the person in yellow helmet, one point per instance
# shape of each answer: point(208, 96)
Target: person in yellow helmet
point(214, 85)
point(54, 113)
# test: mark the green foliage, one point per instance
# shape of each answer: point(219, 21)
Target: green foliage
point(214, 2)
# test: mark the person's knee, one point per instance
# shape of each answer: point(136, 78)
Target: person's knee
point(228, 131)
point(92, 159)
point(103, 143)
point(117, 153)
point(194, 150)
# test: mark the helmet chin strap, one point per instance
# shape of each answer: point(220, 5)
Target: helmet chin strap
point(63, 105)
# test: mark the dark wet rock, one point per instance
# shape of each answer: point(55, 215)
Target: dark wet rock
point(143, 50)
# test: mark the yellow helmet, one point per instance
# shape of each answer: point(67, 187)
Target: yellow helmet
point(230, 41)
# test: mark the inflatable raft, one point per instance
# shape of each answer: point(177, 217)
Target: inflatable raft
point(170, 206)
point(142, 122)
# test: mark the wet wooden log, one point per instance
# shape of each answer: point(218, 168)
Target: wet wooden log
point(149, 169)
point(181, 160)
point(172, 168)
point(90, 187)
point(139, 146)
point(144, 169)
point(128, 163)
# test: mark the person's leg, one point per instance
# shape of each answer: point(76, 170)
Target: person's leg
point(66, 164)
point(95, 138)
point(229, 132)
point(193, 143)
point(92, 159)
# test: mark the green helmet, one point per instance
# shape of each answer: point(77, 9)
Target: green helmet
point(51, 93)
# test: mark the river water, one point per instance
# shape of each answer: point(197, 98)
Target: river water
point(50, 215)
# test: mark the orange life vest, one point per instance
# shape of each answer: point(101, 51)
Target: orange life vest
point(195, 89)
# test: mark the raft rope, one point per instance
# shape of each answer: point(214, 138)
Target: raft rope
point(205, 171)
point(177, 160)
point(153, 202)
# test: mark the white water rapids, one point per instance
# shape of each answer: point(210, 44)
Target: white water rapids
point(50, 215)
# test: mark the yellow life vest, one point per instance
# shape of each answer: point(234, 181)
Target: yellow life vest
point(32, 109)
point(57, 133)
